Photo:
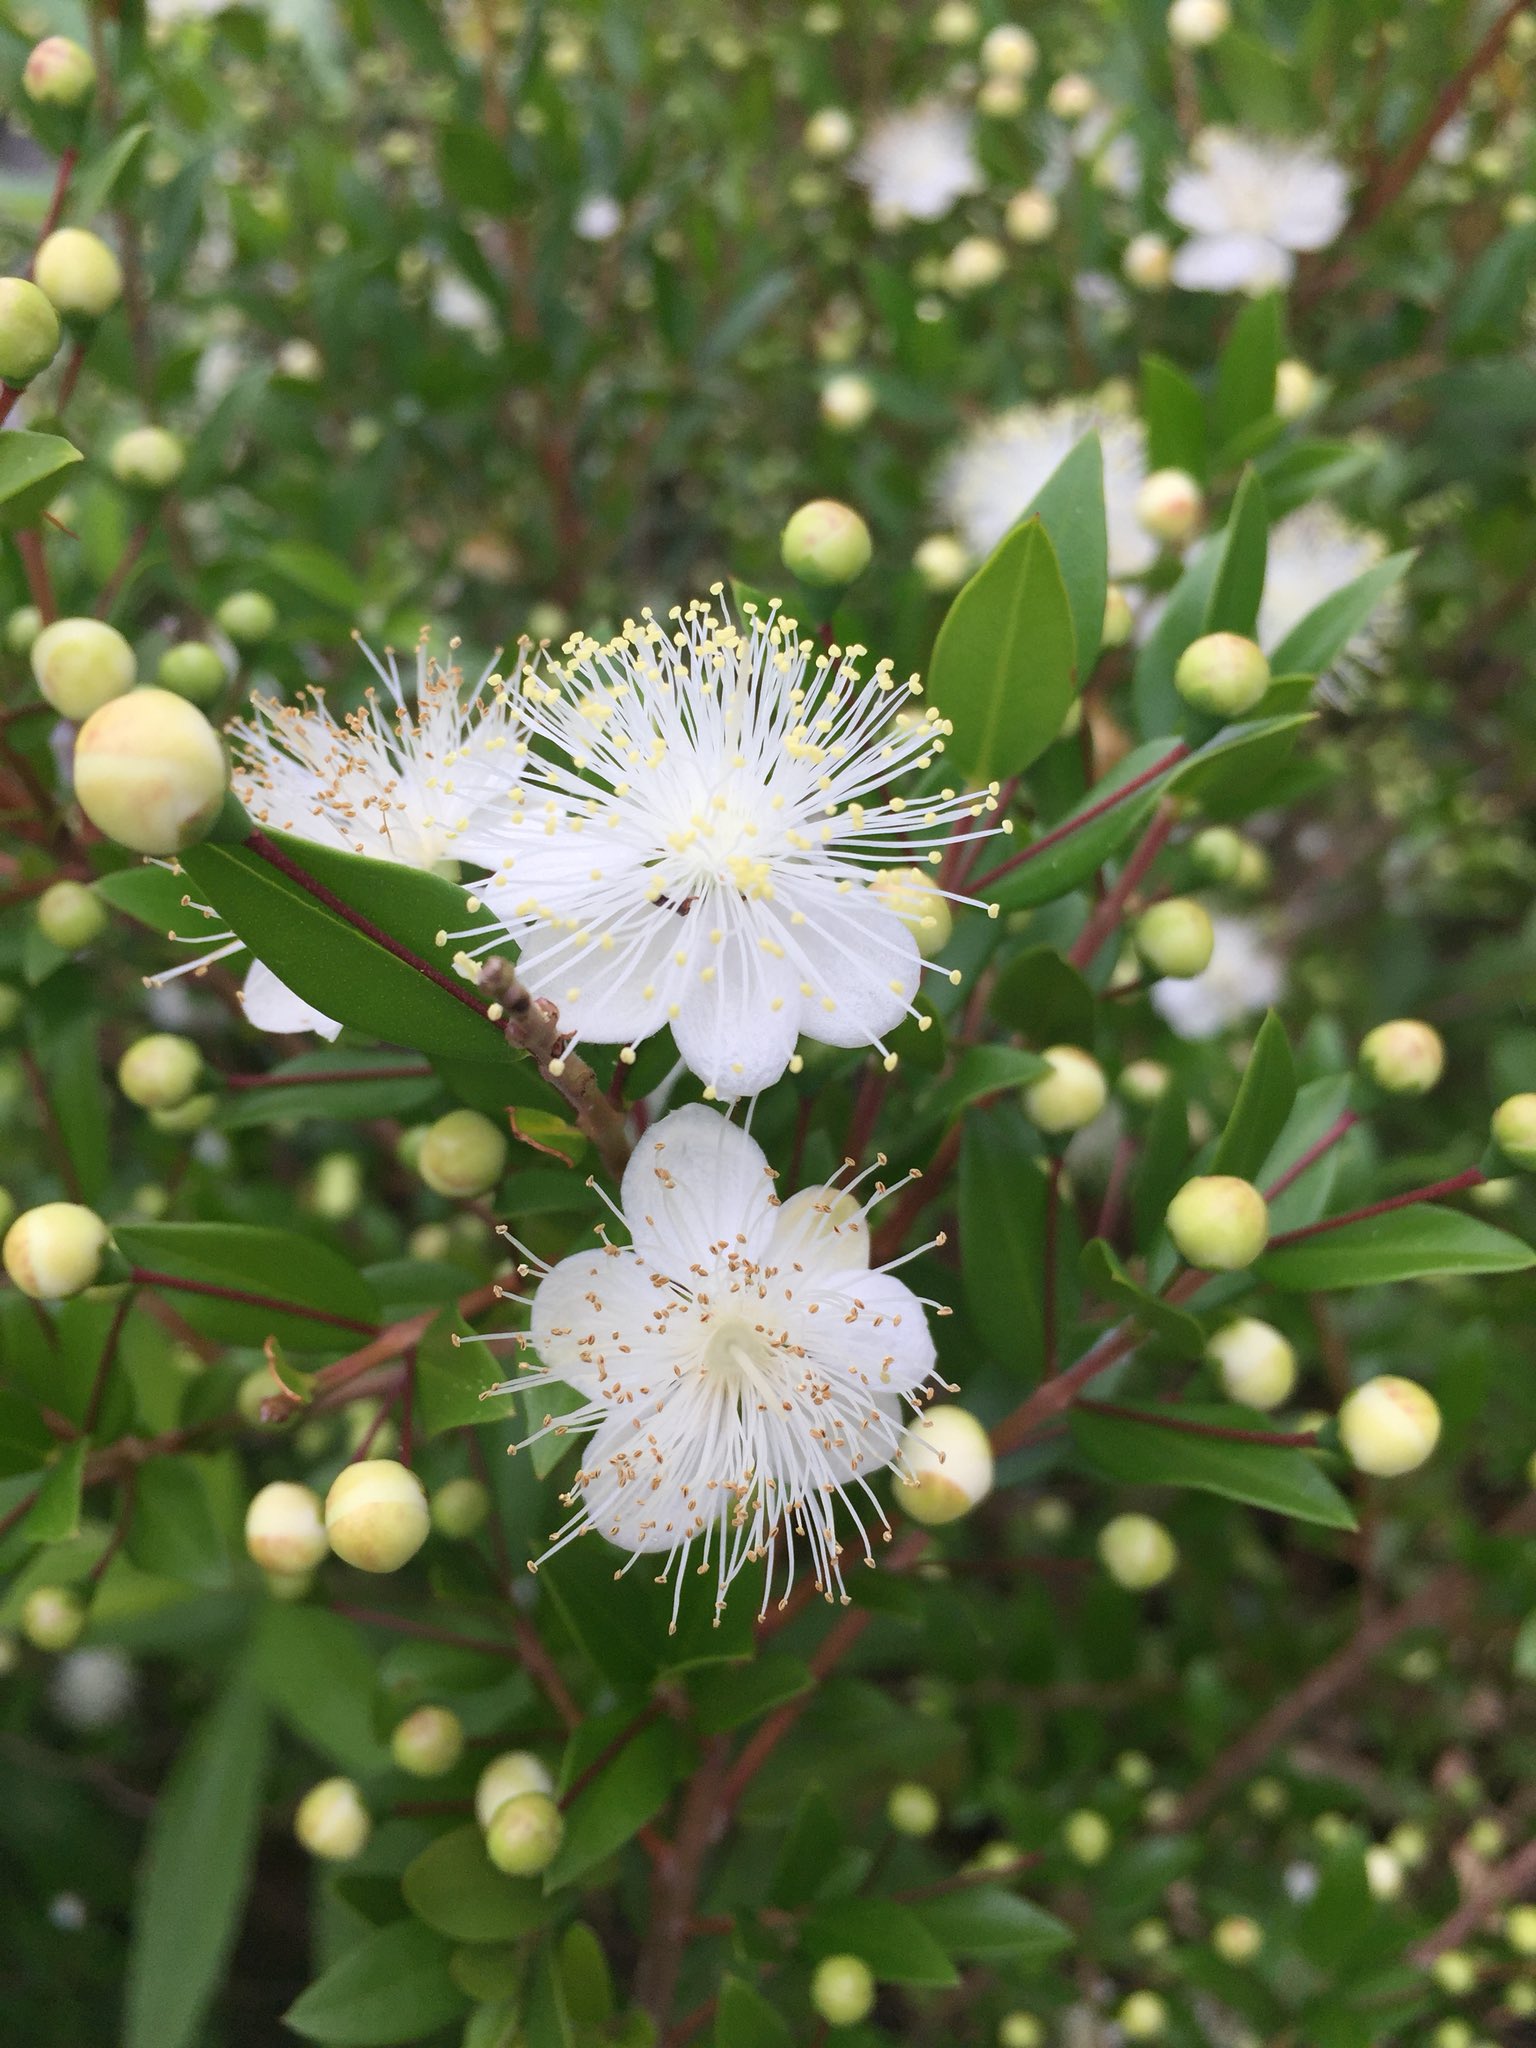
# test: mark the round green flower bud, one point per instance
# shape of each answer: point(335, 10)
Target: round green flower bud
point(1137, 1552)
point(186, 1116)
point(54, 1251)
point(1031, 216)
point(913, 896)
point(1405, 1057)
point(459, 1507)
point(1149, 1937)
point(913, 1810)
point(1019, 2030)
point(1409, 1844)
point(1176, 938)
point(1143, 2016)
point(942, 562)
point(247, 617)
point(1520, 1929)
point(79, 273)
point(285, 1529)
point(1170, 506)
point(332, 1821)
point(70, 915)
point(81, 664)
point(1389, 1426)
point(509, 1776)
point(428, 1743)
point(1256, 1364)
point(842, 1990)
point(1254, 870)
point(52, 1617)
point(1088, 1836)
point(150, 771)
point(1143, 1082)
point(944, 1466)
point(376, 1515)
point(1119, 619)
point(847, 401)
point(525, 1834)
point(147, 458)
point(462, 1155)
point(193, 670)
point(1455, 1972)
point(1218, 1223)
point(1009, 51)
point(1383, 1872)
point(337, 1188)
point(1520, 1996)
point(1453, 2033)
point(1217, 853)
point(1223, 674)
point(1070, 1095)
point(1193, 24)
point(1296, 388)
point(29, 331)
point(826, 543)
point(58, 73)
point(159, 1072)
point(22, 628)
point(1514, 1129)
point(1237, 1939)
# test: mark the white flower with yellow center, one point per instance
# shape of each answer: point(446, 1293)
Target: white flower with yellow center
point(696, 842)
point(1251, 205)
point(916, 162)
point(741, 1368)
point(1314, 552)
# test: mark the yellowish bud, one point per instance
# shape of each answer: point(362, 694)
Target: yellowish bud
point(525, 1834)
point(842, 1990)
point(1389, 1426)
point(946, 1465)
point(506, 1777)
point(1137, 1552)
point(81, 664)
point(1219, 1223)
point(150, 771)
point(285, 1529)
point(1405, 1057)
point(462, 1155)
point(54, 1251)
point(1256, 1364)
point(376, 1515)
point(428, 1743)
point(1071, 1095)
point(332, 1822)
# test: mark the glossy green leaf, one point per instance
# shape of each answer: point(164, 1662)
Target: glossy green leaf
point(454, 1887)
point(153, 894)
point(1078, 849)
point(1070, 506)
point(1245, 369)
point(175, 1531)
point(727, 1696)
point(339, 1082)
point(1239, 585)
point(1265, 1099)
point(99, 177)
point(55, 1515)
point(1002, 1230)
point(1042, 995)
point(986, 1924)
point(617, 1804)
point(1143, 1453)
point(585, 1975)
point(451, 1378)
point(264, 1283)
point(1175, 415)
point(1318, 1107)
point(393, 1986)
point(891, 1938)
point(1405, 1244)
point(982, 1071)
point(1315, 643)
point(32, 468)
point(1104, 1275)
point(317, 1673)
point(745, 2019)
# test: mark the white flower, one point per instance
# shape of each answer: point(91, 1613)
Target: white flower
point(917, 162)
point(1313, 552)
point(695, 845)
point(93, 1688)
point(992, 475)
point(1101, 141)
point(1246, 975)
point(741, 1367)
point(1250, 205)
point(598, 218)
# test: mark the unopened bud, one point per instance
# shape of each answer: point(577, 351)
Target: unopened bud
point(912, 1809)
point(1020, 2030)
point(150, 771)
point(159, 1072)
point(525, 1834)
point(80, 274)
point(247, 617)
point(1070, 1095)
point(1254, 869)
point(22, 628)
point(1237, 1939)
point(1143, 1082)
point(1143, 2016)
point(58, 73)
point(1137, 1552)
point(1088, 1836)
point(975, 262)
point(299, 360)
point(376, 1515)
point(81, 664)
point(52, 1617)
point(147, 458)
point(842, 1990)
point(829, 132)
point(910, 894)
point(1119, 619)
point(826, 543)
point(509, 1776)
point(70, 915)
point(955, 22)
point(1455, 1972)
point(1030, 216)
point(1520, 1929)
point(428, 1743)
point(1010, 51)
point(1072, 96)
point(847, 401)
point(1147, 262)
point(946, 1465)
point(1256, 1364)
point(1218, 1222)
point(942, 561)
point(190, 1115)
point(462, 1155)
point(54, 1251)
point(1194, 24)
point(1383, 1873)
point(1296, 389)
point(1222, 673)
point(1170, 506)
point(285, 1529)
point(332, 1821)
point(1405, 1057)
point(1217, 853)
point(193, 670)
point(29, 331)
point(459, 1508)
point(1176, 938)
point(1389, 1426)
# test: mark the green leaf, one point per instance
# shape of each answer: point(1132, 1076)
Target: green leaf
point(623, 1625)
point(316, 1672)
point(393, 1986)
point(1319, 1105)
point(1175, 415)
point(745, 2019)
point(31, 474)
point(95, 181)
point(1523, 1656)
point(476, 171)
point(175, 1532)
point(350, 1084)
point(301, 1292)
point(456, 1889)
point(980, 1071)
point(1245, 369)
point(1002, 1230)
point(65, 1039)
point(153, 894)
point(1042, 995)
point(892, 1939)
point(1142, 1453)
point(985, 1924)
point(1002, 667)
point(808, 1853)
point(585, 1975)
point(318, 573)
point(197, 1867)
point(341, 970)
point(451, 1379)
point(54, 1516)
point(1070, 506)
point(1264, 1101)
point(1105, 1276)
point(727, 1696)
point(1164, 1163)
point(617, 1804)
point(1084, 848)
point(1234, 601)
point(1229, 775)
point(1405, 1244)
point(1315, 643)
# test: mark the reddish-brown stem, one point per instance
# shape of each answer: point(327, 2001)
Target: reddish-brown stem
point(61, 180)
point(143, 1276)
point(70, 378)
point(407, 1070)
point(1313, 1153)
point(1050, 1253)
point(1094, 811)
point(427, 1632)
point(701, 1820)
point(1471, 1178)
point(366, 1441)
point(1508, 1880)
point(408, 1408)
point(52, 1129)
point(103, 1375)
point(1114, 1192)
point(127, 1500)
point(1170, 1418)
point(1105, 919)
point(9, 398)
point(29, 545)
point(610, 1750)
point(122, 569)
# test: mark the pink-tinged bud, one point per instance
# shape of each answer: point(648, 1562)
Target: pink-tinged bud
point(58, 73)
point(1389, 1426)
point(1170, 506)
point(376, 1515)
point(1405, 1057)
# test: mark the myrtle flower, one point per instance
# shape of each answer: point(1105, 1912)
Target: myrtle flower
point(916, 162)
point(1250, 205)
point(740, 1367)
point(1314, 552)
point(695, 842)
point(1246, 975)
point(989, 479)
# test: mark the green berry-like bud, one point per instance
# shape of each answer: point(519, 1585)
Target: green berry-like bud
point(912, 1810)
point(911, 894)
point(1405, 1057)
point(79, 274)
point(1389, 1426)
point(1088, 1836)
point(54, 1251)
point(828, 133)
point(70, 915)
point(945, 1463)
point(1019, 2030)
point(1119, 619)
point(842, 1990)
point(525, 1834)
point(193, 670)
point(1223, 674)
point(459, 1508)
point(1383, 1873)
point(186, 1116)
point(1520, 1929)
point(147, 458)
point(1514, 1129)
point(337, 1188)
point(942, 562)
point(22, 628)
point(1009, 51)
point(1137, 1552)
point(285, 1529)
point(1217, 853)
point(1237, 1939)
point(975, 262)
point(159, 1072)
point(52, 1617)
point(1257, 1365)
point(332, 1821)
point(58, 73)
point(826, 543)
point(1143, 1082)
point(1176, 938)
point(29, 331)
point(150, 771)
point(1143, 2016)
point(81, 664)
point(1254, 870)
point(376, 1515)
point(428, 1743)
point(1296, 388)
point(1149, 1937)
point(509, 1776)
point(247, 617)
point(1455, 1972)
point(1219, 1223)
point(462, 1155)
point(1070, 1095)
point(847, 401)
point(1170, 506)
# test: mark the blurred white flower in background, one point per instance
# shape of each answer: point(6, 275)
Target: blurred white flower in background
point(1313, 552)
point(916, 163)
point(1251, 205)
point(92, 1689)
point(598, 218)
point(1246, 975)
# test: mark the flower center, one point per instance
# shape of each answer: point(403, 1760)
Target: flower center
point(739, 1358)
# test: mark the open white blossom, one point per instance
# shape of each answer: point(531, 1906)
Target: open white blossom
point(991, 476)
point(695, 842)
point(741, 1368)
point(916, 162)
point(1250, 205)
point(1313, 552)
point(1246, 975)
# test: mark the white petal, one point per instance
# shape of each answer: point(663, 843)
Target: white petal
point(737, 1030)
point(694, 1180)
point(1197, 201)
point(874, 1328)
point(1231, 263)
point(271, 1005)
point(613, 996)
point(1313, 206)
point(861, 963)
point(593, 1314)
point(817, 1232)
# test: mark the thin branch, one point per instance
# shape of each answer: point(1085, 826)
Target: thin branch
point(1313, 1153)
point(1094, 812)
point(1473, 1177)
point(534, 1027)
point(1170, 1418)
point(143, 1276)
point(406, 1070)
point(1105, 919)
